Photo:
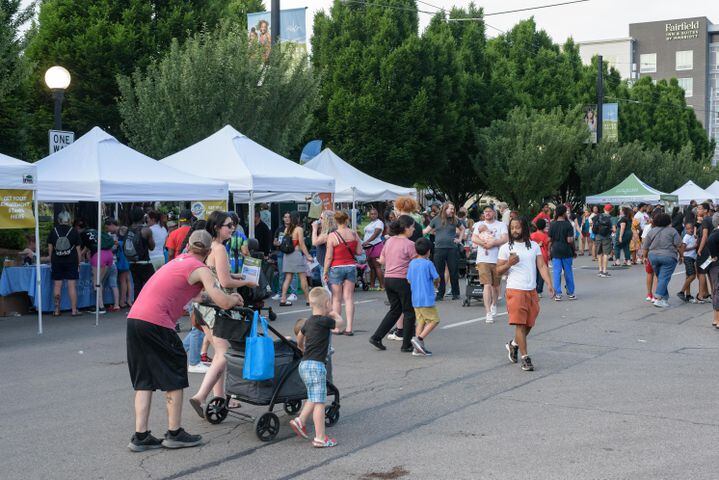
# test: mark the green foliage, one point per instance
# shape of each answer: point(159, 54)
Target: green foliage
point(14, 70)
point(214, 79)
point(14, 239)
point(100, 39)
point(657, 114)
point(527, 156)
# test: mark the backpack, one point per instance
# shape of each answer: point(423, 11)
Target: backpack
point(62, 245)
point(602, 225)
point(106, 241)
point(286, 245)
point(134, 248)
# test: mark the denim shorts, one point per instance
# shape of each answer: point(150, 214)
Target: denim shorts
point(111, 276)
point(314, 374)
point(340, 274)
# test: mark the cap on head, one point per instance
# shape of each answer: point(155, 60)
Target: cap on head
point(608, 207)
point(185, 216)
point(201, 239)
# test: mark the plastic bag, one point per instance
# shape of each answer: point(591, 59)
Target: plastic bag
point(259, 353)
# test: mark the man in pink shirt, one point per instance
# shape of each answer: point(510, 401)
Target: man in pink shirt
point(155, 355)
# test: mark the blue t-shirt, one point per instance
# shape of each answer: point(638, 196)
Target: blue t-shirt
point(421, 275)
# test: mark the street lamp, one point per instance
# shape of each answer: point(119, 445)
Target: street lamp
point(57, 79)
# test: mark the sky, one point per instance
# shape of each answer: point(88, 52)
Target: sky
point(591, 20)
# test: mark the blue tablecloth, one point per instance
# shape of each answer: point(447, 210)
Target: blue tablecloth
point(22, 279)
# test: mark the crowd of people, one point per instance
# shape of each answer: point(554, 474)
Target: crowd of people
point(413, 257)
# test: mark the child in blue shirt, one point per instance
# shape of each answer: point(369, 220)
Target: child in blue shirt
point(423, 278)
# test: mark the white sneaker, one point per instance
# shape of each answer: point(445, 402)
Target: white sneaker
point(393, 336)
point(661, 303)
point(489, 319)
point(199, 368)
point(276, 296)
point(291, 297)
point(493, 310)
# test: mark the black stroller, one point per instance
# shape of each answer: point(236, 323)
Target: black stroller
point(255, 297)
point(474, 289)
point(286, 387)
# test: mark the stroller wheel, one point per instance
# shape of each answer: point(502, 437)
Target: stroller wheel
point(332, 414)
point(271, 315)
point(267, 426)
point(465, 303)
point(216, 410)
point(293, 406)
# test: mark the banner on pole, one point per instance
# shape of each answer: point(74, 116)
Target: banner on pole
point(16, 209)
point(610, 122)
point(590, 119)
point(201, 209)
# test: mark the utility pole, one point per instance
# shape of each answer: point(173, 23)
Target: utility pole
point(275, 20)
point(600, 97)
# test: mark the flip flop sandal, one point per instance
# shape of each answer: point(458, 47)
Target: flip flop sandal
point(285, 304)
point(76, 314)
point(56, 313)
point(197, 406)
point(234, 406)
point(349, 334)
point(326, 443)
point(299, 428)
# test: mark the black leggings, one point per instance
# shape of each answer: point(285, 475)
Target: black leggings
point(449, 257)
point(141, 273)
point(400, 301)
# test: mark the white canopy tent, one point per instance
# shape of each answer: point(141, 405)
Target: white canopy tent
point(713, 189)
point(18, 175)
point(248, 167)
point(691, 191)
point(98, 168)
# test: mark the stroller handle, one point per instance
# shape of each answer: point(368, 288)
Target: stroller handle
point(240, 309)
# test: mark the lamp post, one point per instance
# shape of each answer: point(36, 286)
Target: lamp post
point(57, 79)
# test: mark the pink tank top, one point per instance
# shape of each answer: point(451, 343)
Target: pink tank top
point(164, 296)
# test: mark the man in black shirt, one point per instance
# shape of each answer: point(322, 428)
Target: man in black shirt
point(263, 234)
point(703, 230)
point(561, 249)
point(63, 244)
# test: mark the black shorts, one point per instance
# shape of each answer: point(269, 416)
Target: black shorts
point(64, 271)
point(690, 266)
point(700, 262)
point(155, 357)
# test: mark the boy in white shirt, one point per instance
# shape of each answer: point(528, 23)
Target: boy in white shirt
point(689, 253)
point(522, 259)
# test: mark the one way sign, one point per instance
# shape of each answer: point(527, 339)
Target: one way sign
point(60, 139)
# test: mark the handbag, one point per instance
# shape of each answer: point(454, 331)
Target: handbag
point(361, 258)
point(259, 353)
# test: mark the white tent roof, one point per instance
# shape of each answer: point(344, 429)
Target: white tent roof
point(713, 189)
point(247, 166)
point(691, 191)
point(99, 168)
point(16, 174)
point(367, 188)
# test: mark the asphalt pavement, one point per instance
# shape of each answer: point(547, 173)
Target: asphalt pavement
point(621, 390)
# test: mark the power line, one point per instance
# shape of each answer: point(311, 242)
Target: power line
point(395, 7)
point(534, 8)
point(430, 5)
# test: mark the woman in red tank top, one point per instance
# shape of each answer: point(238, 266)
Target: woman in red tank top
point(340, 269)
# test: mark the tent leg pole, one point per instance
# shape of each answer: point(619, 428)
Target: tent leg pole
point(98, 287)
point(353, 208)
point(251, 221)
point(38, 275)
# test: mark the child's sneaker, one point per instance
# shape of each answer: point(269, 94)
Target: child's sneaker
point(324, 443)
point(418, 346)
point(204, 358)
point(298, 428)
point(417, 353)
point(649, 299)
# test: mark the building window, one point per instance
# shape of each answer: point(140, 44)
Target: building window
point(685, 59)
point(688, 85)
point(648, 63)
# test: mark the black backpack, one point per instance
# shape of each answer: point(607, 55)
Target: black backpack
point(602, 225)
point(135, 248)
point(286, 245)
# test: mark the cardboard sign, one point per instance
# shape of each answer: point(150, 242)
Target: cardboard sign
point(16, 209)
point(201, 209)
point(319, 203)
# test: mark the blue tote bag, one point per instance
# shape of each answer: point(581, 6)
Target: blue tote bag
point(259, 353)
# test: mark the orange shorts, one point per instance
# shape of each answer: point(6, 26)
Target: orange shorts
point(522, 306)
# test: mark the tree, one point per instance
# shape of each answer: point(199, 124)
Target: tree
point(657, 114)
point(14, 70)
point(213, 79)
point(527, 156)
point(98, 40)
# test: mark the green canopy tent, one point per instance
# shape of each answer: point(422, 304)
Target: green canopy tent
point(631, 190)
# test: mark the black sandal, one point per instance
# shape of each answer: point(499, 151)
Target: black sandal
point(285, 304)
point(349, 334)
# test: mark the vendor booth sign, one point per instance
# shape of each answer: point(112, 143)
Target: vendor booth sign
point(16, 209)
point(319, 203)
point(201, 209)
